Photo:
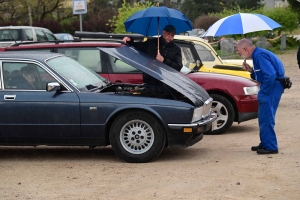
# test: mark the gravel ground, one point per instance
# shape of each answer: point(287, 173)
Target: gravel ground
point(218, 167)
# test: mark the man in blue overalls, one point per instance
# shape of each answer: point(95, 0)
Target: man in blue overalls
point(267, 67)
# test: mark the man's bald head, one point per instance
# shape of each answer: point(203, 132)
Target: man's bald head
point(245, 48)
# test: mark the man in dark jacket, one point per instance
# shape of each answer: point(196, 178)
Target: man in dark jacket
point(168, 53)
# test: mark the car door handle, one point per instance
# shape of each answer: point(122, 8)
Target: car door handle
point(10, 97)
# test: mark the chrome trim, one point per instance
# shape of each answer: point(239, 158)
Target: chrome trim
point(10, 97)
point(42, 66)
point(210, 119)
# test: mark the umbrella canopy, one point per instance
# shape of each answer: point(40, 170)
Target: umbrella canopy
point(151, 21)
point(241, 23)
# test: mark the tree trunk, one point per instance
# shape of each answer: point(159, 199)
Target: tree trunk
point(29, 12)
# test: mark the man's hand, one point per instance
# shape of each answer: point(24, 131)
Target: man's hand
point(126, 39)
point(159, 58)
point(247, 67)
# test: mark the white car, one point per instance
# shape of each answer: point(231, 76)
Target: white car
point(63, 36)
point(18, 34)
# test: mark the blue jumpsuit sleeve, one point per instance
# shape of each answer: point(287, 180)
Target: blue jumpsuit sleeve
point(268, 72)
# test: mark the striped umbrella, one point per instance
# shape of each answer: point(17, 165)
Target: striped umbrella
point(241, 23)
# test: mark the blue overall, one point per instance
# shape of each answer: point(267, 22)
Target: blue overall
point(267, 67)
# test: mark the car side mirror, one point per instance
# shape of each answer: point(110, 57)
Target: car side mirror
point(54, 86)
point(197, 66)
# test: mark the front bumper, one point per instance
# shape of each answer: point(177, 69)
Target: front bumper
point(184, 135)
point(247, 108)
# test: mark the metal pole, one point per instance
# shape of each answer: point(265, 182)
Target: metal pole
point(80, 18)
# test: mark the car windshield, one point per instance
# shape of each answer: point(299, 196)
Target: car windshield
point(79, 76)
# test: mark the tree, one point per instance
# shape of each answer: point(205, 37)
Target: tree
point(285, 17)
point(249, 4)
point(194, 8)
point(124, 12)
point(294, 5)
point(8, 10)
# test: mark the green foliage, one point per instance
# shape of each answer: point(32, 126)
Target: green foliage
point(291, 42)
point(117, 23)
point(285, 17)
point(205, 21)
point(228, 12)
point(295, 6)
point(195, 8)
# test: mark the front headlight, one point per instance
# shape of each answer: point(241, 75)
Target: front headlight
point(253, 90)
point(202, 112)
point(197, 114)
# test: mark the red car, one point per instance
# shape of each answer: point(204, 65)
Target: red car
point(234, 98)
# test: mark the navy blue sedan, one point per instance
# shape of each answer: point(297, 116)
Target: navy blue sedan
point(51, 99)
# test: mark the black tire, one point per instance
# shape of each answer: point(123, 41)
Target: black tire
point(225, 111)
point(137, 137)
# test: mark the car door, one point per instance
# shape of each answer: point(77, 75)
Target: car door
point(35, 112)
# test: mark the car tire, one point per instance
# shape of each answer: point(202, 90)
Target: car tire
point(225, 114)
point(137, 137)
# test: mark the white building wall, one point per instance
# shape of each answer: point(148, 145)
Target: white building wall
point(274, 3)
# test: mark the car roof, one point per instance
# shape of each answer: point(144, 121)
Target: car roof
point(34, 55)
point(189, 38)
point(64, 43)
point(21, 27)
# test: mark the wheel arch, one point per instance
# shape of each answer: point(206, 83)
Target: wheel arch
point(121, 111)
point(230, 99)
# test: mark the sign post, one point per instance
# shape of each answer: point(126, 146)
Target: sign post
point(79, 8)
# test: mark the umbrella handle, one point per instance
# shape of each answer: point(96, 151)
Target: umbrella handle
point(158, 36)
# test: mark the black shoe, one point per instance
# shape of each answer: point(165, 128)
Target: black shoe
point(256, 148)
point(264, 151)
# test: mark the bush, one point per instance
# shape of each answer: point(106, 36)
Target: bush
point(205, 21)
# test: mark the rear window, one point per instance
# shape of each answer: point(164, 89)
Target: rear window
point(10, 35)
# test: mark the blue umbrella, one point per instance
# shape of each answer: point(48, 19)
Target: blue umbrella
point(241, 23)
point(151, 21)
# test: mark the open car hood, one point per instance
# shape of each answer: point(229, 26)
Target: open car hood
point(160, 71)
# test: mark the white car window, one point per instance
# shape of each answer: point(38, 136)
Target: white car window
point(204, 53)
point(29, 34)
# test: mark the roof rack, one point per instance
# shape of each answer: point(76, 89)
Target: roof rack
point(38, 42)
point(102, 35)
point(64, 41)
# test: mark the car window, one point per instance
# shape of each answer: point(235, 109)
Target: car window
point(10, 35)
point(29, 34)
point(25, 76)
point(49, 35)
point(187, 56)
point(120, 67)
point(40, 36)
point(88, 57)
point(81, 77)
point(204, 53)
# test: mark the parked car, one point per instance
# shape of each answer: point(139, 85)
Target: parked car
point(234, 98)
point(16, 34)
point(63, 36)
point(211, 61)
point(194, 49)
point(72, 105)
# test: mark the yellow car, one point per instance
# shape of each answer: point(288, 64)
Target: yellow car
point(211, 61)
